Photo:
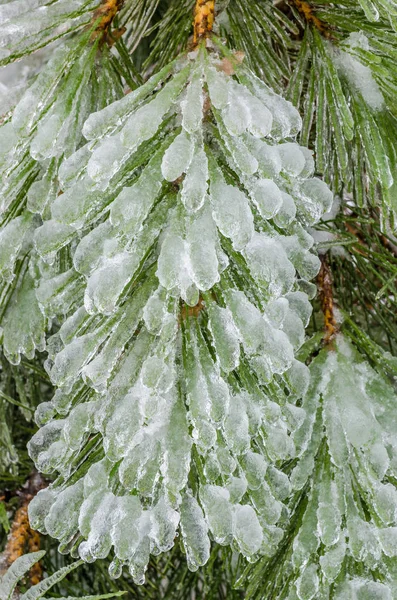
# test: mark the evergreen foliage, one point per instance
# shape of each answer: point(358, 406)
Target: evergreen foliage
point(20, 568)
point(129, 343)
point(168, 194)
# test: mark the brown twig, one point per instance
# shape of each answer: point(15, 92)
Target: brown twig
point(387, 244)
point(102, 19)
point(204, 15)
point(324, 282)
point(307, 12)
point(21, 538)
point(191, 311)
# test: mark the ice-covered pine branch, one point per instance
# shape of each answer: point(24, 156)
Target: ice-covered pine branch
point(32, 24)
point(344, 481)
point(190, 192)
point(44, 128)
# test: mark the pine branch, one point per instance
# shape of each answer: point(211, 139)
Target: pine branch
point(177, 133)
point(166, 238)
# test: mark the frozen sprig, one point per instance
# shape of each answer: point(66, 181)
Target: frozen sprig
point(45, 127)
point(343, 538)
point(175, 364)
point(29, 25)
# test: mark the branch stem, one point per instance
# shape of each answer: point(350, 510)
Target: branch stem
point(204, 15)
point(324, 282)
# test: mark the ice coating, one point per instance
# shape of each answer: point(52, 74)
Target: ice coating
point(359, 75)
point(344, 462)
point(46, 127)
point(167, 235)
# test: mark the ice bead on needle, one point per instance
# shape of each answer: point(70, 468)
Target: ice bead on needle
point(194, 533)
point(194, 187)
point(177, 157)
point(217, 87)
point(133, 204)
point(201, 236)
point(218, 511)
point(192, 105)
point(13, 238)
point(143, 124)
point(225, 337)
point(232, 213)
point(267, 197)
point(235, 115)
point(110, 118)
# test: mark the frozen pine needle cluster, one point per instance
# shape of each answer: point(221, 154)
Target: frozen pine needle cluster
point(175, 367)
point(31, 24)
point(43, 129)
point(343, 481)
point(157, 245)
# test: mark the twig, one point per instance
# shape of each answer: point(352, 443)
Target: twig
point(324, 282)
point(22, 538)
point(204, 14)
point(307, 11)
point(102, 19)
point(191, 311)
